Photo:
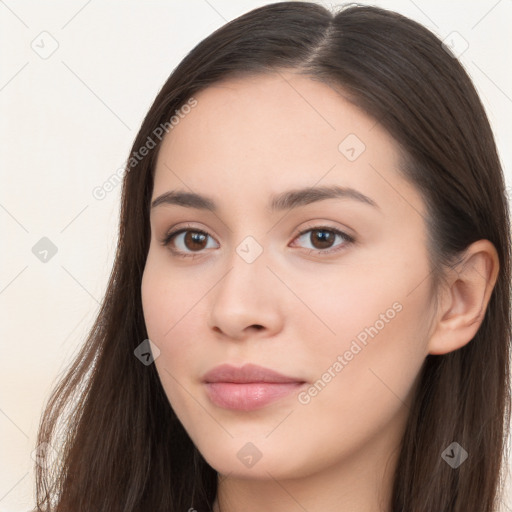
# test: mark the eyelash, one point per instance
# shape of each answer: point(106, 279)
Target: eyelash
point(348, 240)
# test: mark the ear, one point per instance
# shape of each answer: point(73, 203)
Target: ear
point(463, 302)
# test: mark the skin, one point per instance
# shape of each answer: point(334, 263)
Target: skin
point(246, 140)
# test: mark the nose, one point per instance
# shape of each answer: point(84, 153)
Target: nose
point(246, 300)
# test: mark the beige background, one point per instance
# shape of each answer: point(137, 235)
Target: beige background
point(67, 123)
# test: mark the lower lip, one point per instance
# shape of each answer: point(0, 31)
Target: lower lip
point(248, 396)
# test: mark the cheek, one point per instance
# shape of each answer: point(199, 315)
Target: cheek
point(361, 389)
point(351, 303)
point(155, 302)
point(165, 296)
point(170, 319)
point(378, 317)
point(171, 306)
point(351, 294)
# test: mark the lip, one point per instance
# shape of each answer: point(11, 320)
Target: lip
point(246, 374)
point(248, 387)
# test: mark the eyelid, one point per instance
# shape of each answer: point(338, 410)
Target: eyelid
point(321, 224)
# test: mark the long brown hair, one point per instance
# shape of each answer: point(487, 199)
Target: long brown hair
point(120, 444)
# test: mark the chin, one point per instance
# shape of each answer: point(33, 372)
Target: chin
point(244, 459)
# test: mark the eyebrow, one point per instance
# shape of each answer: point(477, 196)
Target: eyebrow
point(282, 201)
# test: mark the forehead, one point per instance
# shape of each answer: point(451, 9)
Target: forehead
point(267, 133)
point(282, 116)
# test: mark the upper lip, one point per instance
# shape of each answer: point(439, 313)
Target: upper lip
point(246, 373)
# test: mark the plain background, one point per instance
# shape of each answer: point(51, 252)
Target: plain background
point(67, 124)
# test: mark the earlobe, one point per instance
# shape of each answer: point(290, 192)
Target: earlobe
point(465, 298)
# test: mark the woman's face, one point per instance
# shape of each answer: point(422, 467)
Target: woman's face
point(345, 316)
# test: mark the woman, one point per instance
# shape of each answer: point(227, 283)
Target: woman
point(310, 303)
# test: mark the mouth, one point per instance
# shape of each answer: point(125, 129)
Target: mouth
point(249, 387)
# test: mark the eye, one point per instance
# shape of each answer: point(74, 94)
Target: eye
point(191, 242)
point(186, 239)
point(323, 237)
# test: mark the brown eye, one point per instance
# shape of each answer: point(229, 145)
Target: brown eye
point(322, 239)
point(185, 241)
